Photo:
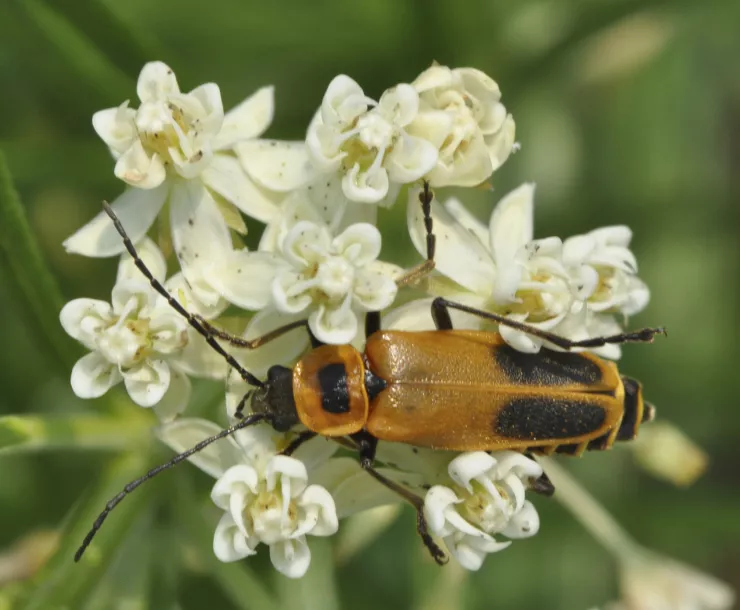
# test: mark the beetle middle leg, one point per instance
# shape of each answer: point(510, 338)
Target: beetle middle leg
point(367, 446)
point(442, 320)
point(413, 275)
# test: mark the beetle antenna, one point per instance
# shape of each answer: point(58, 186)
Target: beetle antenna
point(250, 420)
point(192, 320)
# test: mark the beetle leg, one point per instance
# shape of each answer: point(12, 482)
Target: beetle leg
point(413, 275)
point(249, 343)
point(372, 323)
point(302, 437)
point(441, 315)
point(367, 446)
point(191, 319)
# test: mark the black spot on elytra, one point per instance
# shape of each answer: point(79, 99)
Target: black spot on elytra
point(548, 418)
point(547, 368)
point(334, 390)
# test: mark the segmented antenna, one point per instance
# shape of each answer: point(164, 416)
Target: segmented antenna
point(192, 320)
point(250, 420)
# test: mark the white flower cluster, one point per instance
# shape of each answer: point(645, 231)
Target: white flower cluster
point(318, 260)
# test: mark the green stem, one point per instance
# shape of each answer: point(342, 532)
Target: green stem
point(29, 433)
point(592, 515)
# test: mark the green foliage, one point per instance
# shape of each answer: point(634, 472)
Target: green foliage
point(627, 112)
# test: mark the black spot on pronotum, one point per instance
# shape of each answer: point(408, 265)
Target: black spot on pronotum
point(539, 418)
point(547, 368)
point(334, 390)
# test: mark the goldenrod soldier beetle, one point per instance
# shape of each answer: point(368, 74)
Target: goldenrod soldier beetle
point(444, 389)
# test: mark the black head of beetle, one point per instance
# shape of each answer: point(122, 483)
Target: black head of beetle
point(275, 399)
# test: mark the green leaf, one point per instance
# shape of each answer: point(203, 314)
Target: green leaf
point(21, 255)
point(62, 582)
point(126, 583)
point(236, 580)
point(120, 44)
point(26, 433)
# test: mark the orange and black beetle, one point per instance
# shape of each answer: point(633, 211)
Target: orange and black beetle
point(444, 389)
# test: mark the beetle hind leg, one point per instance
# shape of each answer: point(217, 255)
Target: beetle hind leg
point(367, 445)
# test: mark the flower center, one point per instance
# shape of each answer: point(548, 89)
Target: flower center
point(484, 511)
point(335, 277)
point(125, 342)
point(271, 520)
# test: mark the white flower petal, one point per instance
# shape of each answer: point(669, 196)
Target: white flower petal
point(459, 255)
point(286, 467)
point(179, 288)
point(524, 524)
point(343, 101)
point(399, 104)
point(469, 466)
point(358, 243)
point(156, 82)
point(277, 165)
point(365, 187)
point(247, 120)
point(199, 234)
point(240, 479)
point(373, 290)
point(92, 376)
point(513, 461)
point(137, 168)
point(461, 214)
point(82, 319)
point(116, 127)
point(638, 296)
point(152, 257)
point(470, 551)
point(410, 159)
point(512, 223)
point(176, 398)
point(135, 208)
point(291, 557)
point(184, 433)
point(333, 325)
point(502, 144)
point(328, 522)
point(226, 177)
point(245, 278)
point(438, 499)
point(147, 382)
point(211, 111)
point(229, 543)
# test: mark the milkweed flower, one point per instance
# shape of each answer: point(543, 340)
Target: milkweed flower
point(486, 497)
point(138, 339)
point(366, 142)
point(318, 272)
point(177, 147)
point(570, 288)
point(265, 497)
point(461, 113)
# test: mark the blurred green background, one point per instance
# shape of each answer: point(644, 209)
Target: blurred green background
point(627, 112)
